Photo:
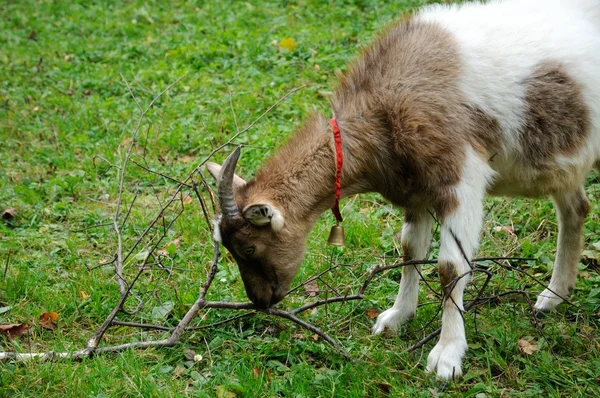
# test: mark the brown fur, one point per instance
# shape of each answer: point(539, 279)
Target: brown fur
point(401, 102)
point(582, 205)
point(447, 273)
point(405, 126)
point(557, 121)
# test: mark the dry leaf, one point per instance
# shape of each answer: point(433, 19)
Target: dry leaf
point(315, 337)
point(126, 141)
point(83, 295)
point(189, 354)
point(14, 330)
point(170, 248)
point(288, 44)
point(372, 313)
point(187, 200)
point(255, 372)
point(8, 214)
point(311, 288)
point(526, 347)
point(48, 320)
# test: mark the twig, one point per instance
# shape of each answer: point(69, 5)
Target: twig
point(310, 327)
point(141, 166)
point(236, 135)
point(119, 264)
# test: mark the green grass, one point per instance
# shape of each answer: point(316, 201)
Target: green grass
point(64, 106)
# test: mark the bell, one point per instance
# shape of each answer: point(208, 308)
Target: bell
point(336, 236)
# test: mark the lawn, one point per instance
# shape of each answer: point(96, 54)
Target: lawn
point(73, 76)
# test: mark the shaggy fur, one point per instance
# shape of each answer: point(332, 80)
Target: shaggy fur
point(498, 98)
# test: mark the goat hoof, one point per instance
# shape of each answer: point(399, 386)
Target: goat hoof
point(547, 301)
point(445, 360)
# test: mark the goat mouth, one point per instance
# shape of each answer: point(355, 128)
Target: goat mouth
point(263, 302)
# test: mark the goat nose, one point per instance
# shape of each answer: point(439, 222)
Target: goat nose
point(261, 300)
point(277, 295)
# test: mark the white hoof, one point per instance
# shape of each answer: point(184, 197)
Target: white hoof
point(548, 301)
point(392, 319)
point(445, 360)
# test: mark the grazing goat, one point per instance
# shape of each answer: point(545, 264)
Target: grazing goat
point(448, 105)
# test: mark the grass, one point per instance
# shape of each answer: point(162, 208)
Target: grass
point(63, 105)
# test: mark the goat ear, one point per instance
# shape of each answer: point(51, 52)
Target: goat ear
point(215, 169)
point(263, 214)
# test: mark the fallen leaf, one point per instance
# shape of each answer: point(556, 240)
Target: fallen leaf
point(8, 214)
point(372, 313)
point(83, 295)
point(311, 288)
point(187, 200)
point(527, 347)
point(255, 372)
point(48, 320)
point(161, 311)
point(189, 354)
point(32, 35)
point(14, 330)
point(5, 309)
point(315, 337)
point(288, 44)
point(186, 158)
point(170, 248)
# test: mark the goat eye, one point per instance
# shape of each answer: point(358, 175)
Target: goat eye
point(249, 250)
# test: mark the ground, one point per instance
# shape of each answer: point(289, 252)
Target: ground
point(67, 117)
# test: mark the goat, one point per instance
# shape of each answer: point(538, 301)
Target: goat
point(446, 106)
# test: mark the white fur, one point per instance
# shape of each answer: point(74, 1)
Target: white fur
point(461, 227)
point(501, 43)
point(417, 237)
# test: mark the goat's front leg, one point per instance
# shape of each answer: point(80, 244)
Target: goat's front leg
point(459, 242)
point(416, 238)
point(571, 210)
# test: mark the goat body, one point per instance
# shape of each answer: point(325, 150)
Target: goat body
point(443, 108)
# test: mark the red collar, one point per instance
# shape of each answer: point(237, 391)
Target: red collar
point(339, 161)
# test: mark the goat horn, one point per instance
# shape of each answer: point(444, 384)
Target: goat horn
point(227, 202)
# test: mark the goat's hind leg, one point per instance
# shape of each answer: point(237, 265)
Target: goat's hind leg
point(416, 237)
point(571, 210)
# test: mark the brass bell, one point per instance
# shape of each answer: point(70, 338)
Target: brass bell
point(336, 236)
